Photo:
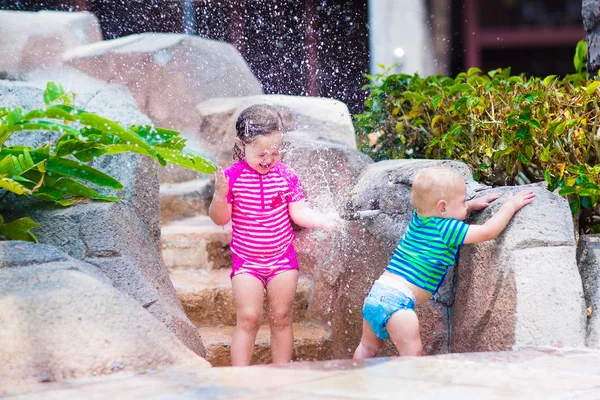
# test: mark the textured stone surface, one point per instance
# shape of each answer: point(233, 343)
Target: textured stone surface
point(196, 243)
point(185, 199)
point(61, 318)
point(514, 291)
point(544, 373)
point(122, 239)
point(310, 343)
point(207, 297)
point(168, 74)
point(32, 40)
point(522, 288)
point(588, 260)
point(319, 118)
point(590, 10)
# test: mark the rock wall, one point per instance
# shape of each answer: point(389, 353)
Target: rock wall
point(588, 259)
point(61, 318)
point(121, 239)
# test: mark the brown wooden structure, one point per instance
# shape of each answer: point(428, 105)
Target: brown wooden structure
point(537, 37)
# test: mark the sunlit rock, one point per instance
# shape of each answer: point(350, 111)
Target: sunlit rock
point(522, 288)
point(61, 318)
point(588, 259)
point(319, 118)
point(122, 239)
point(168, 74)
point(31, 40)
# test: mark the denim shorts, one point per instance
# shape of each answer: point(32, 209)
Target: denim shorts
point(383, 301)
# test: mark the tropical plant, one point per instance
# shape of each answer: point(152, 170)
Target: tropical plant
point(60, 172)
point(510, 129)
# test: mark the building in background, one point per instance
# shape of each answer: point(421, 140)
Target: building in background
point(325, 47)
point(535, 37)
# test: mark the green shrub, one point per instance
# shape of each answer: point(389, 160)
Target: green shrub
point(510, 129)
point(61, 173)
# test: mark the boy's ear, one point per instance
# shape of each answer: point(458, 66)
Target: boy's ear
point(441, 207)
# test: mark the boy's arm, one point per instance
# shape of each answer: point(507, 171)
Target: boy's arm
point(307, 217)
point(493, 226)
point(220, 210)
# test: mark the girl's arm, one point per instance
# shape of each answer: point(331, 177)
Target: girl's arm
point(219, 210)
point(493, 226)
point(306, 217)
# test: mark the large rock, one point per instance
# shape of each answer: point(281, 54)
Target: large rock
point(168, 74)
point(532, 262)
point(522, 288)
point(590, 11)
point(363, 250)
point(319, 119)
point(32, 40)
point(588, 260)
point(122, 239)
point(60, 318)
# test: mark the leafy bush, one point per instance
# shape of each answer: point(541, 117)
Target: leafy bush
point(61, 173)
point(510, 129)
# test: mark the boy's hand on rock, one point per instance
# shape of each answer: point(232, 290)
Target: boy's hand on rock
point(221, 183)
point(520, 200)
point(482, 202)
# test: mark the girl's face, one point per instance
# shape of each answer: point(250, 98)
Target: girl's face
point(264, 152)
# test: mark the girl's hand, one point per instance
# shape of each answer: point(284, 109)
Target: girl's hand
point(482, 202)
point(332, 222)
point(221, 183)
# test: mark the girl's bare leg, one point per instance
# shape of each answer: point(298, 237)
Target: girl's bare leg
point(403, 327)
point(369, 345)
point(248, 296)
point(280, 294)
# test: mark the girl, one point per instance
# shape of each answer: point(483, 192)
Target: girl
point(260, 195)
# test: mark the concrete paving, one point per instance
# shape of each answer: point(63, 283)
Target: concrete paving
point(532, 373)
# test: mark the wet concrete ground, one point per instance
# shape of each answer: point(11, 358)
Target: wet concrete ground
point(524, 374)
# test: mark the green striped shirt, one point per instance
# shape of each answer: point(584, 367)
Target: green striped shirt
point(428, 248)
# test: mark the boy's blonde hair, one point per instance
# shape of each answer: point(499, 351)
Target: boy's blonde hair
point(430, 185)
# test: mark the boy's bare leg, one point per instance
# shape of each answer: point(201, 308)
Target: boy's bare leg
point(403, 327)
point(369, 345)
point(281, 290)
point(248, 296)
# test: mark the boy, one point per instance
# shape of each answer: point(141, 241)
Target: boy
point(419, 264)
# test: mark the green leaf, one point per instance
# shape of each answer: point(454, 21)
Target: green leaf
point(567, 190)
point(545, 154)
point(19, 230)
point(14, 116)
point(591, 88)
point(129, 137)
point(549, 80)
point(575, 205)
point(78, 170)
point(53, 92)
point(13, 186)
point(473, 71)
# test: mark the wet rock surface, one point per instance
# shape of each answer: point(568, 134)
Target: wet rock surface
point(535, 373)
point(61, 318)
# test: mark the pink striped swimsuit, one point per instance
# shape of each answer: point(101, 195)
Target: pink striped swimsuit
point(262, 240)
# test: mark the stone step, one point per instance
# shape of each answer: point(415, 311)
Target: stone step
point(311, 343)
point(196, 243)
point(185, 199)
point(207, 297)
